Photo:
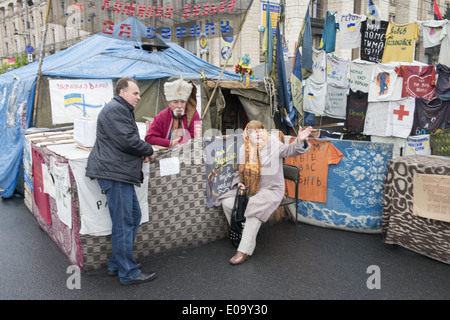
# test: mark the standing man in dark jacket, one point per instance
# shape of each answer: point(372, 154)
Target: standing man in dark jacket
point(116, 162)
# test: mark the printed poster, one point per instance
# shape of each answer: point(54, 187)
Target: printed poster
point(226, 42)
point(274, 14)
point(222, 161)
point(77, 98)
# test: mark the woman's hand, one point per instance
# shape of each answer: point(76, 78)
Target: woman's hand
point(173, 143)
point(303, 135)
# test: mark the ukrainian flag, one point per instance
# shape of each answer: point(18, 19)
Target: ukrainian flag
point(73, 98)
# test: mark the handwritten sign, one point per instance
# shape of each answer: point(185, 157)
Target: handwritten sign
point(222, 161)
point(75, 98)
point(431, 197)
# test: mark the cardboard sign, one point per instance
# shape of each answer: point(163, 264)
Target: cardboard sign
point(431, 196)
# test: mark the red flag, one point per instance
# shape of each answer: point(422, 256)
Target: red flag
point(437, 14)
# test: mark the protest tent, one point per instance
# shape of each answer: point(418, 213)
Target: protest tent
point(103, 56)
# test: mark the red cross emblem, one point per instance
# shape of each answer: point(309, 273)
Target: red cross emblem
point(401, 112)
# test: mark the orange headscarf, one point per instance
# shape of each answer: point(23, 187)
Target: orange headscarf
point(250, 170)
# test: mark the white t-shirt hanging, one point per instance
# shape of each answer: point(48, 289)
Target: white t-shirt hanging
point(336, 102)
point(385, 84)
point(444, 54)
point(433, 31)
point(350, 29)
point(401, 117)
point(360, 75)
point(418, 145)
point(62, 196)
point(314, 96)
point(319, 65)
point(377, 115)
point(337, 69)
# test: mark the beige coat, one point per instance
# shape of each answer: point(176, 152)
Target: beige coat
point(271, 190)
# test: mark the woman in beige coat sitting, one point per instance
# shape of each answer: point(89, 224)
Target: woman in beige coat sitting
point(261, 174)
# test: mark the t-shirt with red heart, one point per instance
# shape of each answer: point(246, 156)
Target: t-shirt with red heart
point(418, 81)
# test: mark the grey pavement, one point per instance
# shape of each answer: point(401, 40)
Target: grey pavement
point(324, 264)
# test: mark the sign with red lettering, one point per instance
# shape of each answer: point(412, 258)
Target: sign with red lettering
point(171, 20)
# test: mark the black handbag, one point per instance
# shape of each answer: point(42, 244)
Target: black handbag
point(237, 217)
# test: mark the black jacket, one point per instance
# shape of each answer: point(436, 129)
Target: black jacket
point(118, 149)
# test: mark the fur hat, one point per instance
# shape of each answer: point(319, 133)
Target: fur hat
point(177, 90)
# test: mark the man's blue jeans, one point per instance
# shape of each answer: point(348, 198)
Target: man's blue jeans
point(126, 216)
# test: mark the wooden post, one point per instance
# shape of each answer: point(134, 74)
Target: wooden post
point(41, 57)
point(228, 57)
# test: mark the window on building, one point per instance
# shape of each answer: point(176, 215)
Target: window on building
point(316, 9)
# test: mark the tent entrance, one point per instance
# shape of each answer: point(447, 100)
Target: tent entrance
point(233, 106)
point(234, 116)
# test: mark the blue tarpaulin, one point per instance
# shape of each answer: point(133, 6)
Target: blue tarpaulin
point(98, 57)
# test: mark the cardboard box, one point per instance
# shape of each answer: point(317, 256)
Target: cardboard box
point(84, 131)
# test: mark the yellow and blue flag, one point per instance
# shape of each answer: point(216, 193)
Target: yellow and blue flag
point(73, 98)
point(296, 86)
point(372, 11)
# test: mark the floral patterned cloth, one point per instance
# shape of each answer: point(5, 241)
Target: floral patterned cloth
point(355, 189)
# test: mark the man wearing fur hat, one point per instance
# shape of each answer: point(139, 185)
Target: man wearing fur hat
point(175, 124)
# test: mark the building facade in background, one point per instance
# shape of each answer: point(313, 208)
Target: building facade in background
point(69, 22)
